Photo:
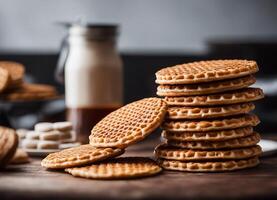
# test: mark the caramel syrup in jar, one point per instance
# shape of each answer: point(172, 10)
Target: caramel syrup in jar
point(85, 118)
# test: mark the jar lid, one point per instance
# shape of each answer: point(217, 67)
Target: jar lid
point(92, 31)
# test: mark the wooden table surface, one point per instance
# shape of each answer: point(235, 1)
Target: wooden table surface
point(32, 181)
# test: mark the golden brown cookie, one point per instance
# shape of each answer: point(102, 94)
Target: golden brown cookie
point(28, 91)
point(205, 71)
point(8, 144)
point(247, 141)
point(20, 157)
point(4, 79)
point(118, 168)
point(15, 84)
point(208, 166)
point(219, 135)
point(175, 153)
point(211, 124)
point(231, 97)
point(16, 70)
point(183, 112)
point(129, 124)
point(205, 88)
point(78, 156)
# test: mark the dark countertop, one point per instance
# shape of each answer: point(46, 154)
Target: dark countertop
point(32, 181)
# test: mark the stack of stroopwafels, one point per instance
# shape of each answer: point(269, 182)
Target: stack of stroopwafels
point(208, 126)
point(13, 87)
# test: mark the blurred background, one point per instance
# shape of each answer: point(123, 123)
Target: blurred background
point(153, 34)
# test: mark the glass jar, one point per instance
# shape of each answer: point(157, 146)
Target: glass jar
point(93, 76)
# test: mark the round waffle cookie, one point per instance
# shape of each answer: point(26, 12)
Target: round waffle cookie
point(205, 71)
point(231, 97)
point(118, 168)
point(183, 112)
point(28, 91)
point(174, 153)
point(205, 88)
point(4, 79)
point(77, 156)
point(205, 145)
point(212, 124)
point(8, 145)
point(129, 124)
point(16, 70)
point(209, 135)
point(215, 166)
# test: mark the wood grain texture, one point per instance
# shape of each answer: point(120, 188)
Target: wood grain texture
point(32, 181)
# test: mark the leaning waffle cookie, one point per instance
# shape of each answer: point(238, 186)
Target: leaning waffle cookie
point(183, 112)
point(205, 71)
point(28, 91)
point(230, 144)
point(4, 79)
point(118, 168)
point(215, 166)
point(175, 153)
point(77, 156)
point(211, 124)
point(231, 97)
point(8, 145)
point(208, 135)
point(129, 124)
point(205, 88)
point(16, 70)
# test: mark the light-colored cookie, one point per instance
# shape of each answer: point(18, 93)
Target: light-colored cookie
point(66, 135)
point(21, 133)
point(48, 145)
point(208, 166)
point(16, 70)
point(205, 88)
point(219, 135)
point(118, 168)
point(32, 135)
point(29, 144)
point(44, 127)
point(211, 124)
point(50, 135)
point(247, 141)
point(175, 153)
point(231, 97)
point(8, 144)
point(69, 145)
point(20, 157)
point(182, 112)
point(62, 126)
point(129, 124)
point(78, 156)
point(205, 71)
point(4, 79)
